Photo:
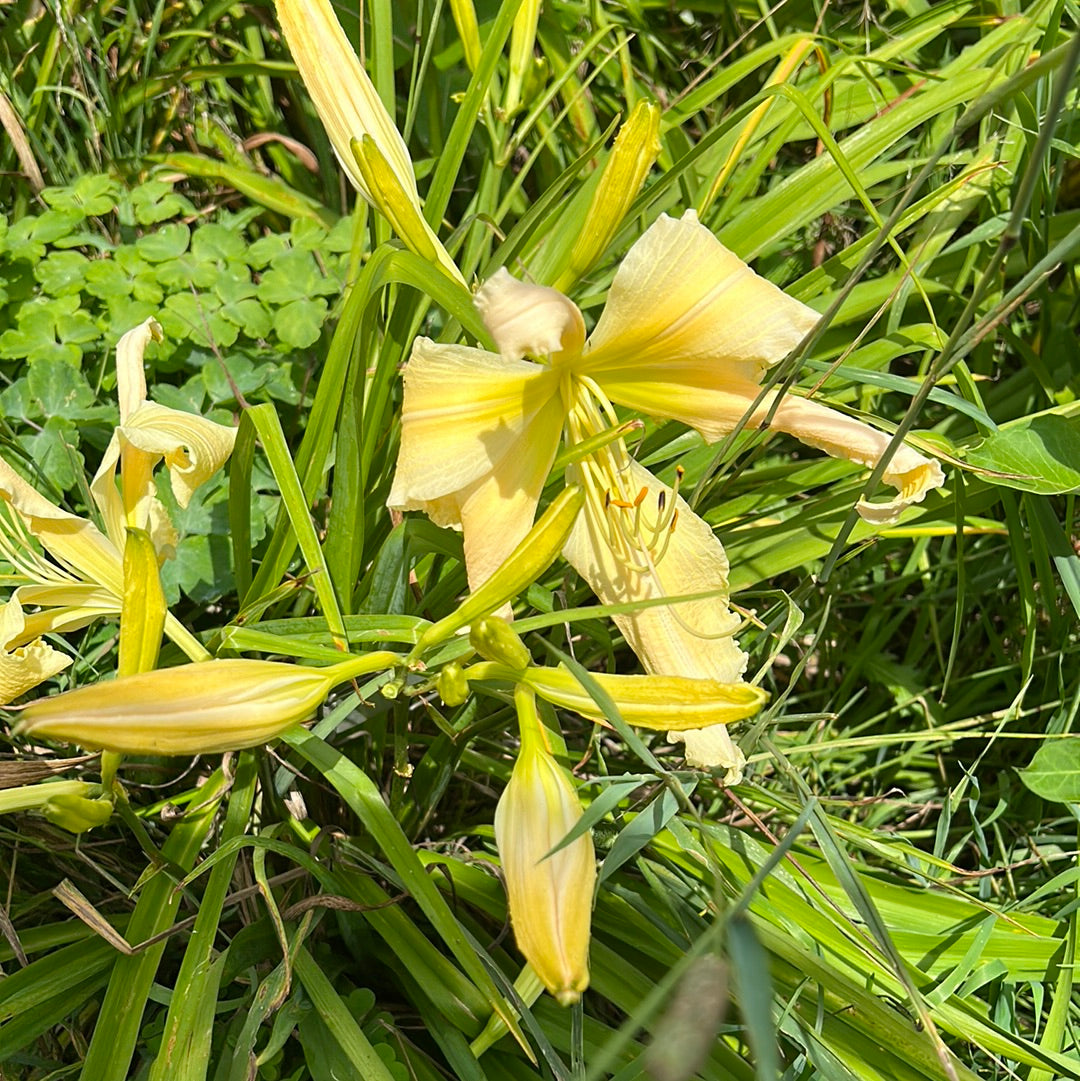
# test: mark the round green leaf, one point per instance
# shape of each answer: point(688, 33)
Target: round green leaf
point(299, 324)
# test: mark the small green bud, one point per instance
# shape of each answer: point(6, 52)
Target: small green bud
point(493, 639)
point(452, 685)
point(77, 814)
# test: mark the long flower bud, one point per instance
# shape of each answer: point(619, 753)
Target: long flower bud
point(550, 893)
point(665, 703)
point(520, 569)
point(206, 708)
point(636, 148)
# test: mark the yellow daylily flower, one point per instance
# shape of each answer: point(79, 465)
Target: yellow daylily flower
point(192, 447)
point(23, 666)
point(351, 109)
point(550, 893)
point(688, 332)
point(84, 577)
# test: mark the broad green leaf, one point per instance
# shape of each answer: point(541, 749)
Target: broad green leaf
point(299, 323)
point(1038, 454)
point(1054, 772)
point(62, 272)
point(55, 450)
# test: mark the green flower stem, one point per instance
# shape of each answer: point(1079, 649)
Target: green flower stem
point(363, 665)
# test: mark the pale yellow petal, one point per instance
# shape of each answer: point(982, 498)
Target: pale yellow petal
point(693, 638)
point(343, 95)
point(529, 320)
point(26, 667)
point(12, 622)
point(717, 411)
point(912, 474)
point(193, 447)
point(67, 607)
point(681, 297)
point(712, 748)
point(23, 666)
point(76, 544)
point(496, 514)
point(162, 531)
point(130, 373)
point(478, 436)
point(105, 491)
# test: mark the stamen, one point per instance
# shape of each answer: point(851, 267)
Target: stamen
point(17, 547)
point(641, 496)
point(659, 553)
point(600, 398)
point(679, 474)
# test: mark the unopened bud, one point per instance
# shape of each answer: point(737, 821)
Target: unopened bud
point(495, 640)
point(665, 703)
point(632, 156)
point(452, 685)
point(399, 205)
point(204, 708)
point(520, 569)
point(550, 893)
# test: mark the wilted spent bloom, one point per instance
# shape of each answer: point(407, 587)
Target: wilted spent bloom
point(28, 663)
point(550, 893)
point(204, 708)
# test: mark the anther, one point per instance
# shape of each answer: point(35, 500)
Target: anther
point(641, 496)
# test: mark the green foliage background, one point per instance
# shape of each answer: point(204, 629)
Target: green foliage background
point(885, 897)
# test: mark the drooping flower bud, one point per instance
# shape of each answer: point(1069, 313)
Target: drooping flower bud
point(550, 892)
